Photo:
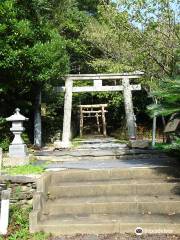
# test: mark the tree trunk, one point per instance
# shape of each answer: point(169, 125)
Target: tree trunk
point(37, 120)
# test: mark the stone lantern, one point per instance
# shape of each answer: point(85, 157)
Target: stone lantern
point(17, 148)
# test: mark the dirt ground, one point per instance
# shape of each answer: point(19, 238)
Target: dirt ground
point(119, 237)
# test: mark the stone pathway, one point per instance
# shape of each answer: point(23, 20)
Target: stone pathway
point(101, 143)
point(104, 153)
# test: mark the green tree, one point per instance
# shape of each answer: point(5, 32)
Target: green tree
point(136, 35)
point(168, 93)
point(32, 54)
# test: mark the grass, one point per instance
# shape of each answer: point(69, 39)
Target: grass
point(78, 139)
point(172, 148)
point(121, 141)
point(19, 225)
point(76, 142)
point(24, 170)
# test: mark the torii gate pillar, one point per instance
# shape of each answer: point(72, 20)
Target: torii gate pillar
point(128, 103)
point(67, 113)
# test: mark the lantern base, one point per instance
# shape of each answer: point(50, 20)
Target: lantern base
point(18, 150)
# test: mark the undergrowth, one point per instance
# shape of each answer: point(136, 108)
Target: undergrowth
point(172, 148)
point(19, 225)
point(24, 170)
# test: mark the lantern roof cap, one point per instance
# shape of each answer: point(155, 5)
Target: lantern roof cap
point(17, 116)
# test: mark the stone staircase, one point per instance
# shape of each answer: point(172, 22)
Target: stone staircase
point(115, 200)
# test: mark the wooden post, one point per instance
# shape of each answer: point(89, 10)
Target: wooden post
point(37, 119)
point(66, 136)
point(104, 122)
point(154, 132)
point(81, 121)
point(154, 126)
point(129, 108)
point(164, 125)
point(4, 217)
point(97, 119)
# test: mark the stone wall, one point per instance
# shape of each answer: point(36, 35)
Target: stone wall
point(23, 188)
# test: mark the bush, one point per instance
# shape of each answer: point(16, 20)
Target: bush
point(24, 170)
point(4, 143)
point(19, 225)
point(172, 148)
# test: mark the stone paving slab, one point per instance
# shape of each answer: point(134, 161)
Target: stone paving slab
point(102, 145)
point(112, 164)
point(97, 139)
point(96, 152)
point(96, 147)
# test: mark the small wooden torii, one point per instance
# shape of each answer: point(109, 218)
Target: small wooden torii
point(94, 110)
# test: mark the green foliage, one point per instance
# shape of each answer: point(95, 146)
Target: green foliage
point(71, 24)
point(140, 35)
point(33, 54)
point(89, 5)
point(108, 33)
point(24, 170)
point(42, 40)
point(169, 98)
point(4, 143)
point(19, 225)
point(4, 135)
point(172, 148)
point(168, 92)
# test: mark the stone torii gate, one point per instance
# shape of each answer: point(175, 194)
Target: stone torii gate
point(98, 86)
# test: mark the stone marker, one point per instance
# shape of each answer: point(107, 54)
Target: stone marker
point(17, 149)
point(139, 144)
point(4, 217)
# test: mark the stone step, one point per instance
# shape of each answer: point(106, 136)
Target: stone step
point(113, 164)
point(101, 145)
point(105, 187)
point(109, 206)
point(113, 156)
point(117, 198)
point(98, 152)
point(109, 223)
point(112, 174)
point(97, 141)
point(113, 187)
